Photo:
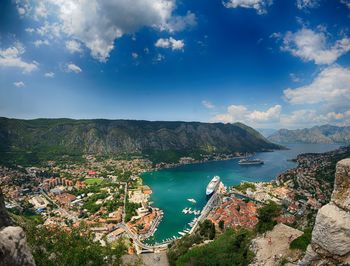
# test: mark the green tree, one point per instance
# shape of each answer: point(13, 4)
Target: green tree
point(267, 215)
point(221, 224)
point(229, 249)
point(55, 246)
point(302, 241)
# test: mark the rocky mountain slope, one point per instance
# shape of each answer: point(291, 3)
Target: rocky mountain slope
point(107, 137)
point(317, 134)
point(330, 243)
point(13, 244)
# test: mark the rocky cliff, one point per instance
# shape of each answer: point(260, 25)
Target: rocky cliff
point(14, 250)
point(318, 134)
point(330, 244)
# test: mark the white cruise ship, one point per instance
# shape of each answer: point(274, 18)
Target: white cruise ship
point(212, 186)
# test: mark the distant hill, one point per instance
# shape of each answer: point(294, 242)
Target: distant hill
point(266, 131)
point(161, 141)
point(318, 134)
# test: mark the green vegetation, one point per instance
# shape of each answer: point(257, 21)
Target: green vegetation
point(34, 142)
point(130, 210)
point(207, 229)
point(91, 205)
point(93, 181)
point(221, 224)
point(267, 215)
point(231, 248)
point(244, 186)
point(302, 241)
point(52, 247)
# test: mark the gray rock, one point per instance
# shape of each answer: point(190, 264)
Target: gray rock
point(4, 217)
point(341, 193)
point(330, 244)
point(332, 230)
point(13, 247)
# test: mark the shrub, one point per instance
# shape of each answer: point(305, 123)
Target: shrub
point(302, 241)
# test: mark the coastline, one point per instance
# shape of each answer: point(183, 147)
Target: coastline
point(287, 166)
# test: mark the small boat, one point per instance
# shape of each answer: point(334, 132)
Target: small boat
point(192, 200)
point(182, 233)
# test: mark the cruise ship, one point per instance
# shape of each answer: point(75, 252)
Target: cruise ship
point(212, 186)
point(250, 161)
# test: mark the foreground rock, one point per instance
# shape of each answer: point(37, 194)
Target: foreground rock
point(13, 247)
point(330, 244)
point(14, 250)
point(150, 259)
point(273, 247)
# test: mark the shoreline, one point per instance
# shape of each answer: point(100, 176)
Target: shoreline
point(275, 178)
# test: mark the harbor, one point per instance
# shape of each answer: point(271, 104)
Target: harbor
point(172, 188)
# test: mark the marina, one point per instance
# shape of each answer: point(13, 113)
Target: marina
point(173, 187)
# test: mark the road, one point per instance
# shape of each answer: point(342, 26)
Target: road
point(136, 240)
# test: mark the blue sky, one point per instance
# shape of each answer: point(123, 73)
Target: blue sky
point(269, 64)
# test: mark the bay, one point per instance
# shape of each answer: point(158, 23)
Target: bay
point(173, 187)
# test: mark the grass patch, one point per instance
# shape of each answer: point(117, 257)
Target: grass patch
point(302, 241)
point(231, 248)
point(93, 181)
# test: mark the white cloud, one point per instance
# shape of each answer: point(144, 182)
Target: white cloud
point(332, 86)
point(23, 7)
point(179, 23)
point(325, 100)
point(40, 11)
point(159, 57)
point(50, 31)
point(19, 84)
point(346, 2)
point(134, 55)
point(271, 114)
point(258, 5)
point(49, 75)
point(73, 68)
point(39, 43)
point(98, 23)
point(12, 57)
point(208, 104)
point(310, 45)
point(170, 43)
point(73, 46)
point(30, 30)
point(302, 4)
point(240, 113)
point(294, 77)
point(310, 117)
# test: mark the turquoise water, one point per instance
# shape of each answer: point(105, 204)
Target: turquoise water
point(172, 187)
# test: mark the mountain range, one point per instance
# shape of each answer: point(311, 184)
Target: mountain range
point(318, 134)
point(159, 140)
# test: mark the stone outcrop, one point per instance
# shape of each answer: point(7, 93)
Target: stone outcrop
point(330, 244)
point(13, 247)
point(14, 250)
point(4, 218)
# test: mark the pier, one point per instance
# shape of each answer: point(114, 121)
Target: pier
point(212, 202)
point(146, 248)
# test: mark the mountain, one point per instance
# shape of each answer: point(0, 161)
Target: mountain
point(266, 131)
point(127, 137)
point(317, 134)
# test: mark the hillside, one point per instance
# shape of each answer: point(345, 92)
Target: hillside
point(317, 134)
point(126, 137)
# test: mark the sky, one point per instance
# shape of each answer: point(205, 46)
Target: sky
point(266, 63)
